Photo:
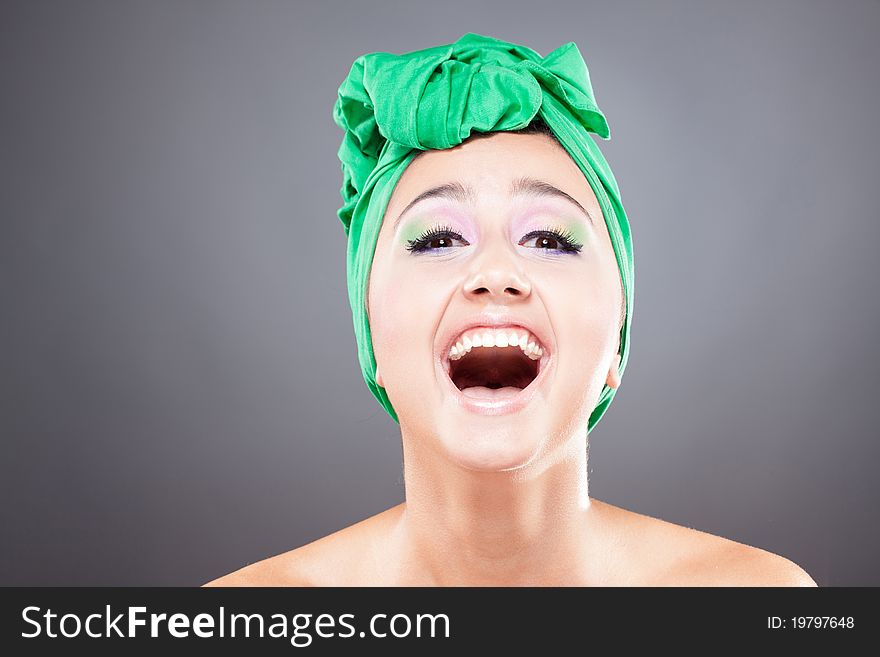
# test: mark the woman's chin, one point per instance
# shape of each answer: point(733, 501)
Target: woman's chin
point(491, 451)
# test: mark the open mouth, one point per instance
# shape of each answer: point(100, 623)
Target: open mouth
point(495, 371)
point(493, 368)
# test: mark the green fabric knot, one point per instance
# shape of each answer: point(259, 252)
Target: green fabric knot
point(434, 98)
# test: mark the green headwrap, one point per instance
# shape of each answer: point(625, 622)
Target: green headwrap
point(392, 106)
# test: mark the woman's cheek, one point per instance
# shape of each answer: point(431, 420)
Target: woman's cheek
point(385, 309)
point(408, 297)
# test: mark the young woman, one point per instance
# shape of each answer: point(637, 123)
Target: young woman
point(490, 274)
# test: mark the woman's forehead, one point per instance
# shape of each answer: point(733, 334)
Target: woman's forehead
point(492, 169)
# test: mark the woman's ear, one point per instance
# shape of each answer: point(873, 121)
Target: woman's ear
point(613, 378)
point(379, 381)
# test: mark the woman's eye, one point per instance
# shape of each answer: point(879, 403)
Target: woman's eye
point(544, 242)
point(437, 239)
point(551, 240)
point(433, 240)
point(439, 242)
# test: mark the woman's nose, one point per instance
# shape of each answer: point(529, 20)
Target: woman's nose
point(496, 274)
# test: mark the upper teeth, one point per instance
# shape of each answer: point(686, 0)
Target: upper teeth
point(487, 337)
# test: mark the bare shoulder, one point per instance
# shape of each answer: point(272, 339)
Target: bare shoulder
point(718, 561)
point(338, 559)
point(667, 554)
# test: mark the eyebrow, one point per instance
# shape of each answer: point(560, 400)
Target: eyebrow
point(465, 194)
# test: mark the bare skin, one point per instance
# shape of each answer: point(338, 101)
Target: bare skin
point(503, 500)
point(631, 549)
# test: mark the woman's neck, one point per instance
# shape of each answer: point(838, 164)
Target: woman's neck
point(518, 527)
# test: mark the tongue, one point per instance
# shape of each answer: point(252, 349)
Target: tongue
point(482, 392)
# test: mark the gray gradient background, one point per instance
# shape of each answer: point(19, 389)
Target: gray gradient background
point(179, 387)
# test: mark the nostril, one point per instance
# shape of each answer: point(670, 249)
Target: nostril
point(508, 290)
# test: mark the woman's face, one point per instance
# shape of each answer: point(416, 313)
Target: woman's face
point(452, 262)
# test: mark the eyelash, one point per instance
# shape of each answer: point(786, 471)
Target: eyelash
point(564, 238)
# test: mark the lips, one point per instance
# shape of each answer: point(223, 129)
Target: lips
point(494, 396)
point(502, 401)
